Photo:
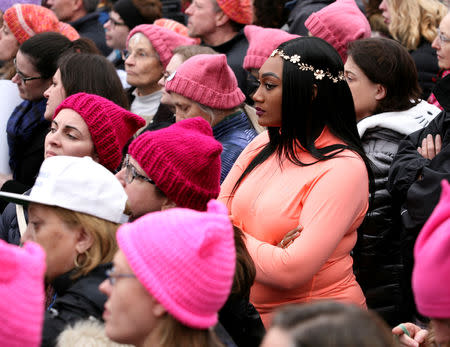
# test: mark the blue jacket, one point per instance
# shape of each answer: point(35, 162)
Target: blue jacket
point(235, 132)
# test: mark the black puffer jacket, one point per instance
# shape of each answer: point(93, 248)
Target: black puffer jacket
point(377, 255)
point(75, 300)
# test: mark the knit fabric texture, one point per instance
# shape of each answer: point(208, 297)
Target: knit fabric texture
point(339, 24)
point(5, 4)
point(22, 289)
point(261, 43)
point(207, 79)
point(163, 40)
point(27, 20)
point(185, 259)
point(183, 160)
point(110, 125)
point(240, 11)
point(432, 261)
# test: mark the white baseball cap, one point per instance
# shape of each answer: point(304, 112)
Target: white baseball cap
point(76, 184)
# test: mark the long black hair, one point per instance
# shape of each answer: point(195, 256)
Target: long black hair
point(308, 105)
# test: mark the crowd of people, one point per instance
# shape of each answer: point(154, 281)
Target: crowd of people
point(215, 173)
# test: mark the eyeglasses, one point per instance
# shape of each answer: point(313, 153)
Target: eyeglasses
point(22, 76)
point(115, 23)
point(138, 55)
point(112, 277)
point(131, 174)
point(442, 37)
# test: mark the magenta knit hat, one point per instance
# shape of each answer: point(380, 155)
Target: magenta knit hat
point(22, 290)
point(185, 259)
point(183, 160)
point(432, 261)
point(240, 11)
point(339, 24)
point(163, 40)
point(261, 43)
point(208, 80)
point(110, 125)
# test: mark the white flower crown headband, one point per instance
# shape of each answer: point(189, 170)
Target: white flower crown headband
point(318, 74)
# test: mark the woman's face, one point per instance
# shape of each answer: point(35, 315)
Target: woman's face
point(385, 11)
point(186, 108)
point(8, 44)
point(59, 241)
point(31, 90)
point(116, 31)
point(365, 93)
point(142, 195)
point(174, 62)
point(55, 95)
point(131, 313)
point(69, 135)
point(268, 96)
point(441, 45)
point(142, 65)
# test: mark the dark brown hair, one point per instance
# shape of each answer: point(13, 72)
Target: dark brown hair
point(388, 63)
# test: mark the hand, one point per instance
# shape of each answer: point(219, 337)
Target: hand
point(4, 178)
point(416, 336)
point(290, 237)
point(430, 148)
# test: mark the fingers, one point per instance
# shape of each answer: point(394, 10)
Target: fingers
point(430, 147)
point(438, 144)
point(290, 237)
point(421, 335)
point(407, 341)
point(416, 334)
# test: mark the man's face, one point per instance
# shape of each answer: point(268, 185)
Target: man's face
point(202, 18)
point(64, 9)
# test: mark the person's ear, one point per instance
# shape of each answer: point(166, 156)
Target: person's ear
point(314, 91)
point(167, 204)
point(380, 92)
point(221, 18)
point(84, 240)
point(157, 309)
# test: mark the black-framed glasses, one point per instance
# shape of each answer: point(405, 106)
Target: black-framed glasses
point(115, 23)
point(112, 277)
point(22, 76)
point(131, 173)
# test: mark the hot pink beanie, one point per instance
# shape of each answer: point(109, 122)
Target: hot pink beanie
point(163, 40)
point(110, 125)
point(240, 11)
point(339, 24)
point(27, 20)
point(183, 160)
point(432, 261)
point(185, 259)
point(261, 43)
point(22, 290)
point(208, 80)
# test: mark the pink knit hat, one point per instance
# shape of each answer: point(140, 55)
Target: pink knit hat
point(185, 259)
point(183, 160)
point(432, 261)
point(240, 11)
point(208, 80)
point(27, 20)
point(261, 43)
point(163, 40)
point(110, 125)
point(22, 290)
point(339, 24)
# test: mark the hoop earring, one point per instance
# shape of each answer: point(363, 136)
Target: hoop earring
point(85, 260)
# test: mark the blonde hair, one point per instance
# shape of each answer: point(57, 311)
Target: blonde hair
point(171, 332)
point(103, 232)
point(413, 20)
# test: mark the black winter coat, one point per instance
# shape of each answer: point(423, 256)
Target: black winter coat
point(415, 183)
point(75, 300)
point(427, 66)
point(377, 256)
